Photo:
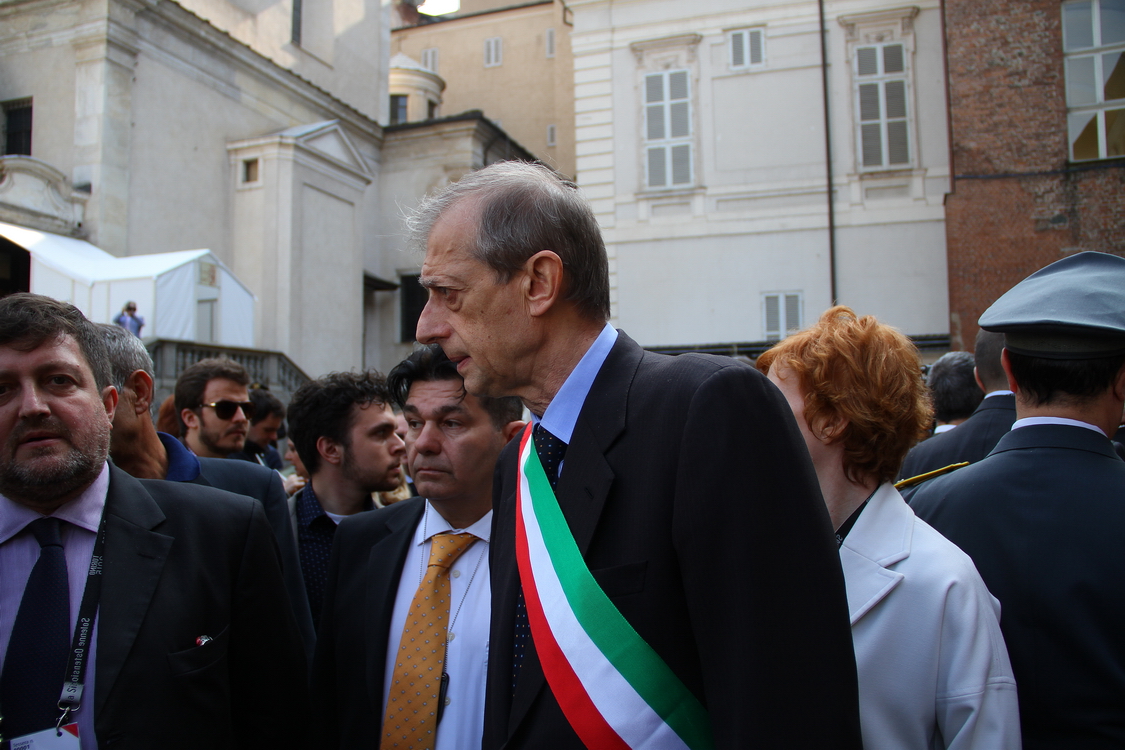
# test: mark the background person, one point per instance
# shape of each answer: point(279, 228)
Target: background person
point(265, 427)
point(933, 669)
point(344, 431)
point(953, 390)
point(1042, 514)
point(214, 407)
point(129, 320)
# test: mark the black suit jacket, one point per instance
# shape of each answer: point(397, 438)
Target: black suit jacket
point(363, 575)
point(180, 562)
point(689, 491)
point(264, 485)
point(970, 441)
point(1042, 518)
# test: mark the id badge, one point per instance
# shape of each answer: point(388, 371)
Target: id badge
point(49, 739)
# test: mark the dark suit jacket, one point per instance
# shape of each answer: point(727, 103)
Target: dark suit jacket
point(689, 491)
point(1042, 518)
point(264, 485)
point(181, 562)
point(363, 575)
point(969, 441)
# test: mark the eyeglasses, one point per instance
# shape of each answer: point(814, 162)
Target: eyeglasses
point(226, 409)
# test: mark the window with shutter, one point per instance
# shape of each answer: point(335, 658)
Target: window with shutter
point(493, 52)
point(882, 104)
point(746, 48)
point(1094, 60)
point(781, 314)
point(549, 42)
point(552, 134)
point(430, 59)
point(668, 129)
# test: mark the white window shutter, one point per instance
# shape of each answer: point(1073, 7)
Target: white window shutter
point(757, 55)
point(772, 316)
point(681, 164)
point(867, 61)
point(549, 42)
point(792, 313)
point(657, 169)
point(552, 134)
point(738, 49)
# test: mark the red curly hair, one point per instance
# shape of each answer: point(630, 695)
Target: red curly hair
point(866, 373)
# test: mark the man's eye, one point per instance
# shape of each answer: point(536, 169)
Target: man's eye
point(60, 380)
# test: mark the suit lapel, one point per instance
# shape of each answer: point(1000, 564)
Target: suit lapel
point(134, 560)
point(584, 484)
point(881, 537)
point(383, 572)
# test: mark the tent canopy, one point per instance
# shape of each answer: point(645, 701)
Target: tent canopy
point(187, 295)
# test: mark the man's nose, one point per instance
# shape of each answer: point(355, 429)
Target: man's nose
point(32, 403)
point(431, 324)
point(428, 441)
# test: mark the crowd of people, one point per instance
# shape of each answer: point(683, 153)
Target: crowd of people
point(533, 533)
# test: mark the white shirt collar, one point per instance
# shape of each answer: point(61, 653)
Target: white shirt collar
point(1032, 421)
point(562, 413)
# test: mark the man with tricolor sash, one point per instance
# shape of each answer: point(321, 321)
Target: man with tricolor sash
point(662, 566)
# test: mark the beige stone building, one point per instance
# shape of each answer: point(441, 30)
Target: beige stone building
point(510, 59)
point(253, 130)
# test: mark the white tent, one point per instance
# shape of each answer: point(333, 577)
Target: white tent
point(187, 295)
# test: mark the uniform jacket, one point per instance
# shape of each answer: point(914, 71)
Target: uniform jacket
point(970, 441)
point(181, 562)
point(688, 491)
point(1042, 518)
point(350, 664)
point(933, 668)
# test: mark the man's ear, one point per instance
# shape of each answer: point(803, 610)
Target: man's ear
point(109, 398)
point(140, 383)
point(544, 281)
point(190, 418)
point(1119, 388)
point(512, 429)
point(980, 383)
point(1006, 363)
point(330, 451)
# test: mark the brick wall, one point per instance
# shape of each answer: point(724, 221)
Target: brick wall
point(1017, 203)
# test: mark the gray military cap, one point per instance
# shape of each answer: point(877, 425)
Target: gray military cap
point(1072, 309)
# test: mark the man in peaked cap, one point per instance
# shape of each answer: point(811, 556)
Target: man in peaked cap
point(1042, 516)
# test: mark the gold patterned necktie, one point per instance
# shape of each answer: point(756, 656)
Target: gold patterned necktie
point(412, 702)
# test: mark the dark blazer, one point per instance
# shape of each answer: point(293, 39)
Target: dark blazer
point(363, 575)
point(689, 491)
point(1042, 518)
point(970, 441)
point(264, 485)
point(181, 562)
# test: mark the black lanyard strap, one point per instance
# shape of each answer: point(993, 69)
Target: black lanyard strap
point(75, 680)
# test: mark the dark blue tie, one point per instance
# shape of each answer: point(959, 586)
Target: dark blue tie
point(551, 452)
point(35, 662)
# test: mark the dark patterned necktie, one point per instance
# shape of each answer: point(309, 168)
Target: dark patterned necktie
point(35, 662)
point(551, 452)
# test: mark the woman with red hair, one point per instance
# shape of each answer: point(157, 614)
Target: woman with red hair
point(932, 664)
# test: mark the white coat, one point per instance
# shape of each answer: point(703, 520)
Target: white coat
point(932, 664)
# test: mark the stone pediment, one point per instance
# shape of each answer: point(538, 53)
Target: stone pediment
point(34, 194)
point(329, 139)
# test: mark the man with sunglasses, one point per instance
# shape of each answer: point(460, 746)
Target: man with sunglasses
point(214, 406)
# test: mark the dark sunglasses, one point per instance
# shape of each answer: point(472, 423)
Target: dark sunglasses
point(226, 409)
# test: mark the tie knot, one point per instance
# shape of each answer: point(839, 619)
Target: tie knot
point(46, 531)
point(447, 547)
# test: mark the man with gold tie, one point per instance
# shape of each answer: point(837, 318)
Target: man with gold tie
point(402, 652)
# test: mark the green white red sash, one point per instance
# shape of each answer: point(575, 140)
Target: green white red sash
point(615, 691)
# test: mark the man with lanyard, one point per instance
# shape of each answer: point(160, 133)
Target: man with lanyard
point(133, 613)
point(379, 571)
point(646, 531)
point(139, 450)
point(1041, 516)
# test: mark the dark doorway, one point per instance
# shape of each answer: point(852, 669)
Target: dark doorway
point(15, 268)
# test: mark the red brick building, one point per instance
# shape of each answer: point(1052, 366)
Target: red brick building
point(1037, 126)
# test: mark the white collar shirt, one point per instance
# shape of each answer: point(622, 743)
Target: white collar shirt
point(466, 656)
